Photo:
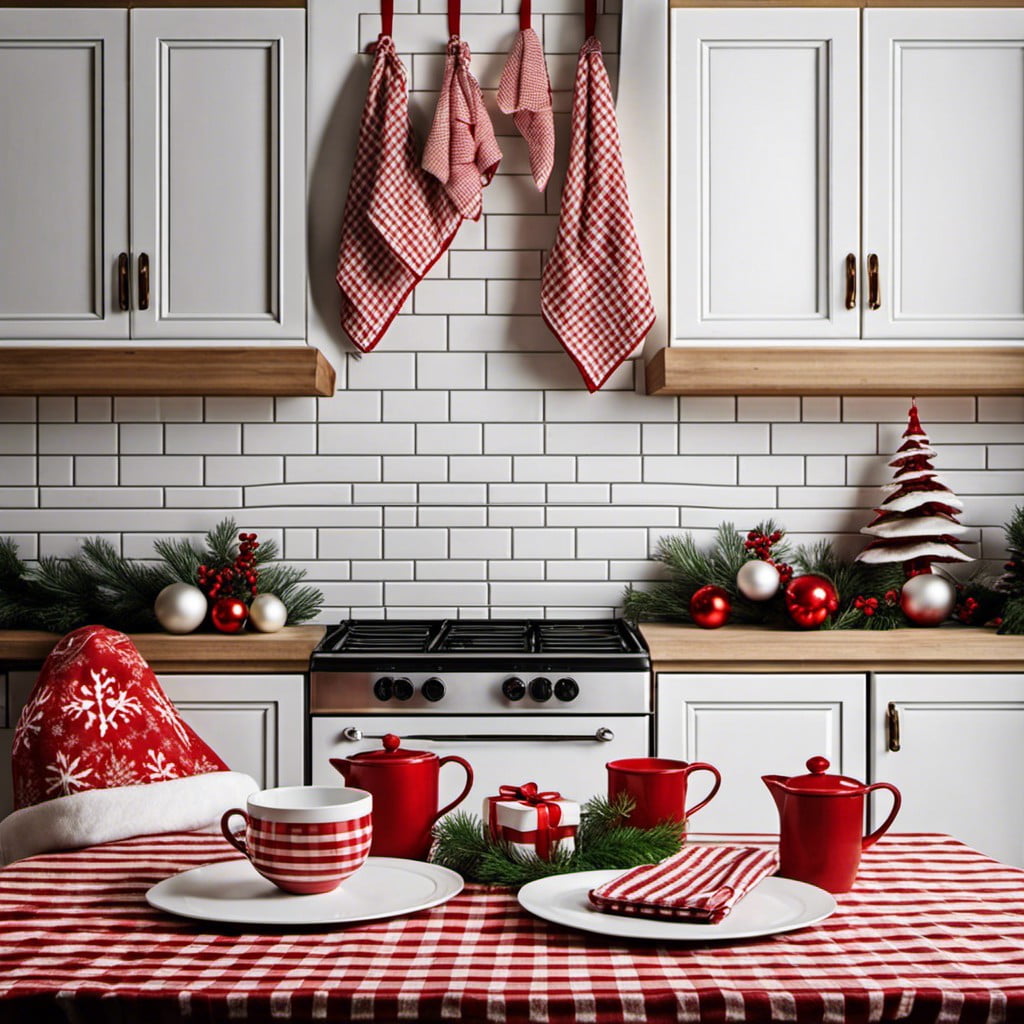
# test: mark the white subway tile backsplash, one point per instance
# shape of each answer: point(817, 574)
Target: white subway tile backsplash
point(203, 438)
point(420, 543)
point(17, 409)
point(496, 406)
point(773, 469)
point(452, 515)
point(501, 334)
point(482, 468)
point(453, 494)
point(98, 497)
point(222, 498)
point(449, 438)
point(697, 469)
point(56, 409)
point(613, 439)
point(384, 494)
point(56, 470)
point(382, 370)
point(332, 468)
point(279, 438)
point(228, 409)
point(16, 470)
point(510, 263)
point(93, 409)
point(611, 543)
point(244, 469)
point(280, 495)
point(578, 494)
point(450, 371)
point(767, 409)
point(377, 569)
point(140, 438)
point(366, 438)
point(295, 410)
point(449, 297)
point(724, 438)
point(350, 543)
point(610, 468)
point(415, 406)
point(513, 438)
point(70, 438)
point(415, 468)
point(577, 569)
point(544, 544)
point(165, 471)
point(451, 570)
point(93, 471)
point(808, 438)
point(1001, 409)
point(1006, 456)
point(350, 407)
point(487, 543)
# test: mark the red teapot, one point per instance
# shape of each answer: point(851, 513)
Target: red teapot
point(404, 784)
point(821, 834)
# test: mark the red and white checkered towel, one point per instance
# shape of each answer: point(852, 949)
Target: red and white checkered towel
point(702, 883)
point(398, 220)
point(594, 292)
point(461, 151)
point(525, 93)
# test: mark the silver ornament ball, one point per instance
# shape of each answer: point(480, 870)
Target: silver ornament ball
point(927, 599)
point(757, 580)
point(180, 608)
point(267, 613)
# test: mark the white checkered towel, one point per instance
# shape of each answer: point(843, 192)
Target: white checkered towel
point(461, 150)
point(525, 93)
point(398, 221)
point(702, 883)
point(594, 293)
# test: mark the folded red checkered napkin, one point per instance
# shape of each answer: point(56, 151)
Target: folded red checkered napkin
point(702, 883)
point(461, 150)
point(594, 293)
point(525, 93)
point(398, 220)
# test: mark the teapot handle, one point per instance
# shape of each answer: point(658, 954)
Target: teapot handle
point(465, 789)
point(897, 800)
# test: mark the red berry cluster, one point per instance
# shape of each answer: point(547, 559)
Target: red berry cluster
point(242, 575)
point(966, 610)
point(867, 605)
point(761, 545)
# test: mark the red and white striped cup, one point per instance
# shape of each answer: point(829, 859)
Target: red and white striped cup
point(304, 839)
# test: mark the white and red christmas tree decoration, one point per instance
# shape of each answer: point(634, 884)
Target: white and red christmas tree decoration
point(917, 521)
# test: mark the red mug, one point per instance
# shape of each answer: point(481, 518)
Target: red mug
point(658, 788)
point(304, 839)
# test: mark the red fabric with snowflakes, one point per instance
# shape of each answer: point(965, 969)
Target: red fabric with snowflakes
point(97, 718)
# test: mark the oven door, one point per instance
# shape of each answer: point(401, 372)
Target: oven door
point(556, 752)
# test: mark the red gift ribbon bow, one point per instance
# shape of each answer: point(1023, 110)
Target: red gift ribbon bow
point(549, 814)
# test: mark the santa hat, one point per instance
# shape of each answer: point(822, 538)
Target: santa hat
point(101, 754)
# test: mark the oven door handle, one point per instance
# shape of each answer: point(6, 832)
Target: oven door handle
point(602, 735)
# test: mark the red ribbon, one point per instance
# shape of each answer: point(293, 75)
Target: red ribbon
point(591, 22)
point(387, 17)
point(454, 18)
point(525, 16)
point(549, 814)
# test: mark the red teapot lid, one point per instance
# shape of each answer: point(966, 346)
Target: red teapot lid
point(818, 781)
point(391, 754)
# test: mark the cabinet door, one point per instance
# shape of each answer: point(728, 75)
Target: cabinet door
point(63, 183)
point(218, 173)
point(14, 690)
point(254, 722)
point(753, 725)
point(958, 762)
point(765, 130)
point(944, 172)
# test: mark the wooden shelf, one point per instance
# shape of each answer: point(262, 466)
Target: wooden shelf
point(907, 370)
point(287, 650)
point(110, 370)
point(952, 648)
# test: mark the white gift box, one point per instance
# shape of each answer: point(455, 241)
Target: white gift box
point(516, 821)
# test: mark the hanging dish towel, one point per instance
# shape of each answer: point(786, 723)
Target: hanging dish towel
point(398, 221)
point(461, 151)
point(594, 292)
point(525, 93)
point(702, 883)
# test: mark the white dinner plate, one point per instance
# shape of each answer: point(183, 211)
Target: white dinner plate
point(773, 905)
point(235, 892)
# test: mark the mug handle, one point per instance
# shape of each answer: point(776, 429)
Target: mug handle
point(698, 766)
point(465, 790)
point(238, 844)
point(897, 800)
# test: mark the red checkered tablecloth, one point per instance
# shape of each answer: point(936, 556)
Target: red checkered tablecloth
point(933, 932)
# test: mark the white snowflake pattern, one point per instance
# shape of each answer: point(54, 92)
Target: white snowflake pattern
point(100, 705)
point(31, 721)
point(65, 777)
point(158, 767)
point(169, 713)
point(121, 771)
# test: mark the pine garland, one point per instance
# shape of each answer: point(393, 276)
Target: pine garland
point(1011, 583)
point(463, 844)
point(99, 585)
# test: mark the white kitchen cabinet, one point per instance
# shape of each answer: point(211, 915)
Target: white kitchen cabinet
point(748, 725)
point(764, 172)
point(959, 739)
point(190, 124)
point(254, 722)
point(944, 172)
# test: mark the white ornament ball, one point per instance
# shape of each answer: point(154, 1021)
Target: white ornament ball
point(757, 580)
point(927, 599)
point(180, 608)
point(267, 613)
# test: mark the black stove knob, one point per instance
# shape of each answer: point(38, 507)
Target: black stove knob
point(513, 688)
point(383, 688)
point(540, 689)
point(567, 689)
point(403, 689)
point(433, 689)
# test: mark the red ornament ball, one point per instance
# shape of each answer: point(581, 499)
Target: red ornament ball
point(810, 600)
point(710, 607)
point(229, 615)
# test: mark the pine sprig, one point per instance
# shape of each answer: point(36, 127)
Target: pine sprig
point(602, 842)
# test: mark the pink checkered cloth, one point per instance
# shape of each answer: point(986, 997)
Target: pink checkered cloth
point(701, 883)
point(398, 221)
point(525, 93)
point(461, 151)
point(594, 292)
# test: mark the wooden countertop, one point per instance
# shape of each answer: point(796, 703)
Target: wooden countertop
point(285, 651)
point(686, 648)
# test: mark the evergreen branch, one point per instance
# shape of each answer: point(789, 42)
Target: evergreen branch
point(181, 556)
point(221, 543)
point(1013, 616)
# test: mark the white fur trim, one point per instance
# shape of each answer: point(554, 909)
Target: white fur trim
point(121, 812)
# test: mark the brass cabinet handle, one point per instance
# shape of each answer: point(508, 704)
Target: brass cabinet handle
point(122, 281)
point(874, 292)
point(143, 281)
point(892, 727)
point(851, 281)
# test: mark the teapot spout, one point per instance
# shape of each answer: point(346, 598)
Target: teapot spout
point(341, 765)
point(777, 787)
